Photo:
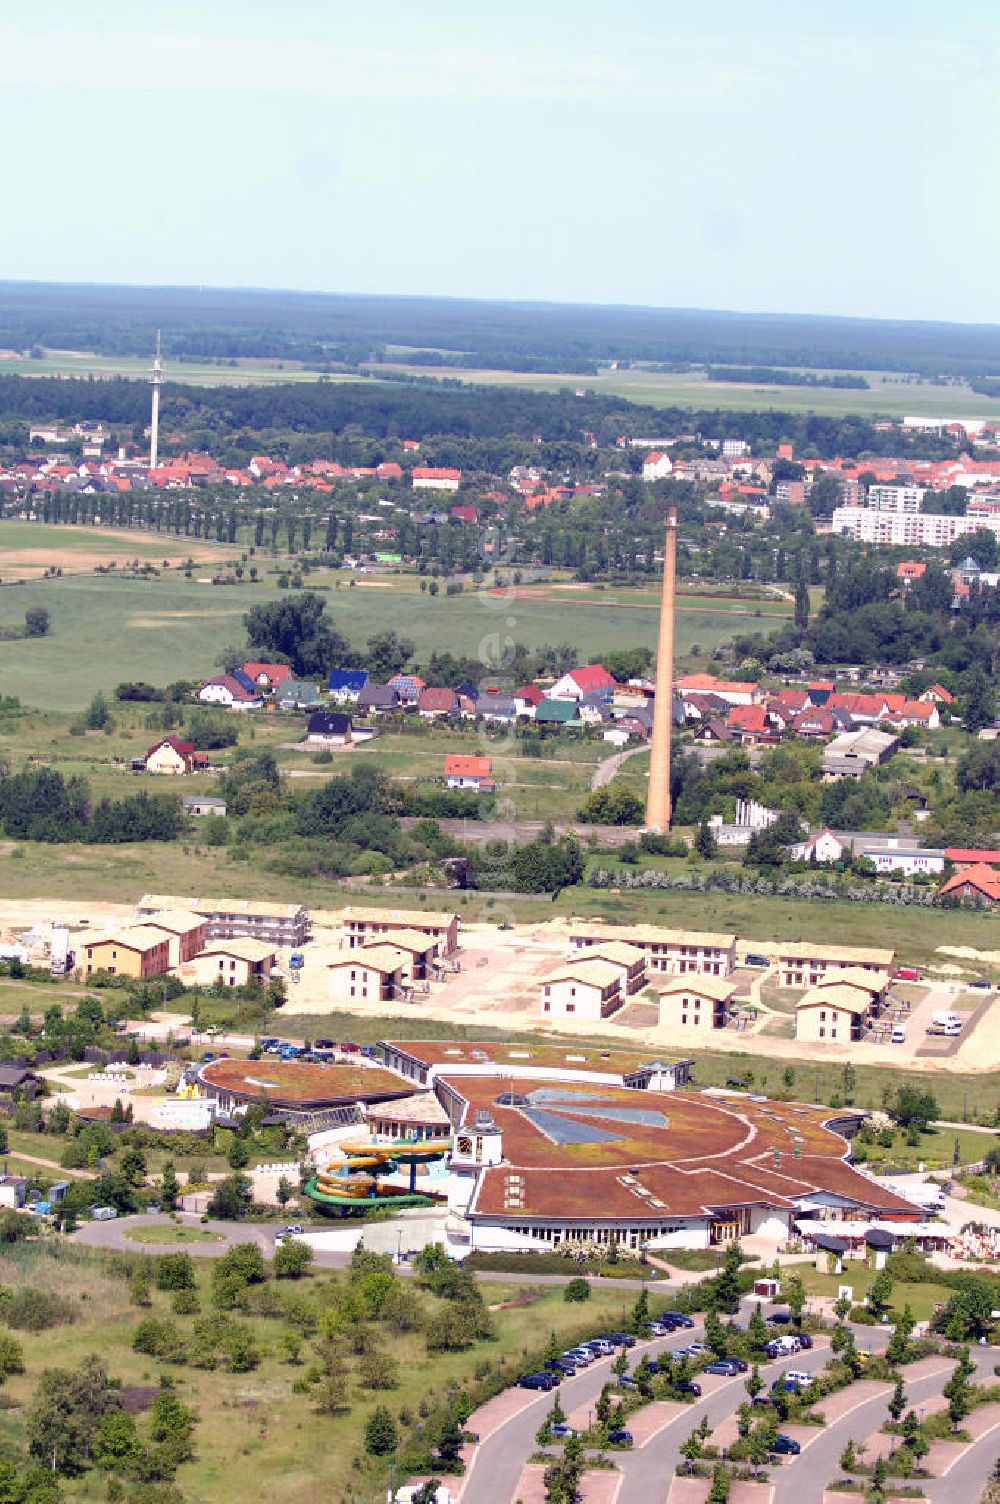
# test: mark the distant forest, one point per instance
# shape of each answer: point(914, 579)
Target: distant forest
point(336, 328)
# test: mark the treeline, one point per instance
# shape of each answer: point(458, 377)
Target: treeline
point(497, 360)
point(40, 804)
point(311, 326)
point(775, 376)
point(238, 421)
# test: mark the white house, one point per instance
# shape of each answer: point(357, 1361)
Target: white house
point(656, 465)
point(909, 863)
point(823, 846)
point(586, 990)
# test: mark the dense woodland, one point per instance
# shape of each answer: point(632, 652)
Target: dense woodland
point(231, 323)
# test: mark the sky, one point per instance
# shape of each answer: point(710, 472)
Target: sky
point(747, 154)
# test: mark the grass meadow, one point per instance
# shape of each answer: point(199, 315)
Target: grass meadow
point(255, 1437)
point(106, 628)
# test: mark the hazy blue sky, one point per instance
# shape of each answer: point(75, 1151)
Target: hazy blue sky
point(753, 154)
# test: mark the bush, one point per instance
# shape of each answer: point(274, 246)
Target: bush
point(175, 1271)
point(32, 1310)
point(576, 1290)
point(159, 1337)
point(292, 1260)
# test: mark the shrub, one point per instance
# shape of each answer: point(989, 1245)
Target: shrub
point(159, 1337)
point(32, 1310)
point(576, 1290)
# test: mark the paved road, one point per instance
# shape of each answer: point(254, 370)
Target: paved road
point(964, 1482)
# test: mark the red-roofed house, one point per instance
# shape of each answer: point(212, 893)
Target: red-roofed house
point(582, 681)
point(922, 713)
point(657, 465)
point(432, 703)
point(971, 856)
point(814, 723)
point(389, 470)
point(527, 700)
point(467, 772)
point(267, 675)
point(750, 724)
point(978, 884)
point(734, 692)
point(464, 514)
point(432, 478)
point(910, 570)
point(171, 757)
point(938, 694)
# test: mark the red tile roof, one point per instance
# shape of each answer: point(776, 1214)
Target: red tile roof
point(459, 765)
point(979, 877)
point(592, 676)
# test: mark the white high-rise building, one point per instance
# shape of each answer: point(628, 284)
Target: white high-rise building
point(896, 498)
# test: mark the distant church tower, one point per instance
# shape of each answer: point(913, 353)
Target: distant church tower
point(156, 379)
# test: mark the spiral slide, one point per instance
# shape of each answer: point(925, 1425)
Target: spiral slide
point(353, 1183)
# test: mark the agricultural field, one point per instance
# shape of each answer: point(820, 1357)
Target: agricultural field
point(888, 395)
point(107, 628)
point(28, 549)
point(244, 372)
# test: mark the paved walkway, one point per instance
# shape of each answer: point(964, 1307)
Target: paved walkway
point(611, 766)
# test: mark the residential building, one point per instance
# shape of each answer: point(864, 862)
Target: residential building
point(587, 680)
point(463, 771)
point(791, 492)
point(908, 530)
point(203, 804)
point(805, 963)
point(822, 846)
point(977, 884)
point(298, 694)
point(377, 699)
point(908, 863)
point(234, 962)
point(555, 713)
point(330, 728)
point(836, 1014)
point(434, 478)
point(268, 676)
point(656, 465)
point(668, 952)
point(629, 959)
point(420, 951)
point(584, 989)
point(884, 498)
point(360, 924)
point(284, 924)
point(972, 856)
point(909, 570)
point(346, 684)
point(233, 691)
point(374, 975)
point(434, 704)
point(186, 933)
point(170, 757)
point(695, 1002)
point(731, 692)
point(137, 952)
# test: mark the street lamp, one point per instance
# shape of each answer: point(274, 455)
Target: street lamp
point(392, 1480)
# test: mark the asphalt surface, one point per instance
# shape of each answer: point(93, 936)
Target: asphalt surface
point(646, 1472)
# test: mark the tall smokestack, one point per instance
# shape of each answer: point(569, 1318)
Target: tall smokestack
point(658, 797)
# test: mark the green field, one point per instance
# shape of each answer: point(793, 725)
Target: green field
point(192, 373)
point(107, 628)
point(888, 396)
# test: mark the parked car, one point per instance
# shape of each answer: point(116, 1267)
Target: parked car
point(697, 1347)
point(753, 959)
point(785, 1446)
point(294, 1230)
point(561, 1429)
point(805, 1341)
point(560, 1365)
point(726, 1366)
point(622, 1339)
point(780, 1318)
point(620, 1439)
point(688, 1386)
point(980, 982)
point(601, 1347)
point(677, 1318)
point(658, 1328)
point(544, 1381)
point(906, 974)
point(626, 1381)
point(323, 1044)
point(582, 1356)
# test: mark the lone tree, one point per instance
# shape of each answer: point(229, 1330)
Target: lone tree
point(36, 622)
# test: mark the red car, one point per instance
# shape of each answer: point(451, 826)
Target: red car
point(906, 974)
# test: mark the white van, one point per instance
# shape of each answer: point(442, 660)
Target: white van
point(948, 1020)
point(898, 1034)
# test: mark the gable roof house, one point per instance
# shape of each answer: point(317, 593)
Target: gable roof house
point(298, 694)
point(557, 713)
point(268, 676)
point(433, 703)
point(171, 756)
point(330, 728)
point(976, 884)
point(527, 699)
point(463, 771)
point(235, 691)
point(378, 699)
point(345, 684)
point(750, 724)
point(407, 687)
point(583, 681)
point(496, 707)
point(595, 708)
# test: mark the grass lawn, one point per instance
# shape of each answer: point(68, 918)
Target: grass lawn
point(920, 1298)
point(27, 549)
point(171, 1232)
point(256, 1438)
point(935, 1150)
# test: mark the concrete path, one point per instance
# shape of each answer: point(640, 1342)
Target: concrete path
point(611, 766)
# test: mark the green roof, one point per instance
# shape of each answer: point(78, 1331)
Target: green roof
point(560, 711)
